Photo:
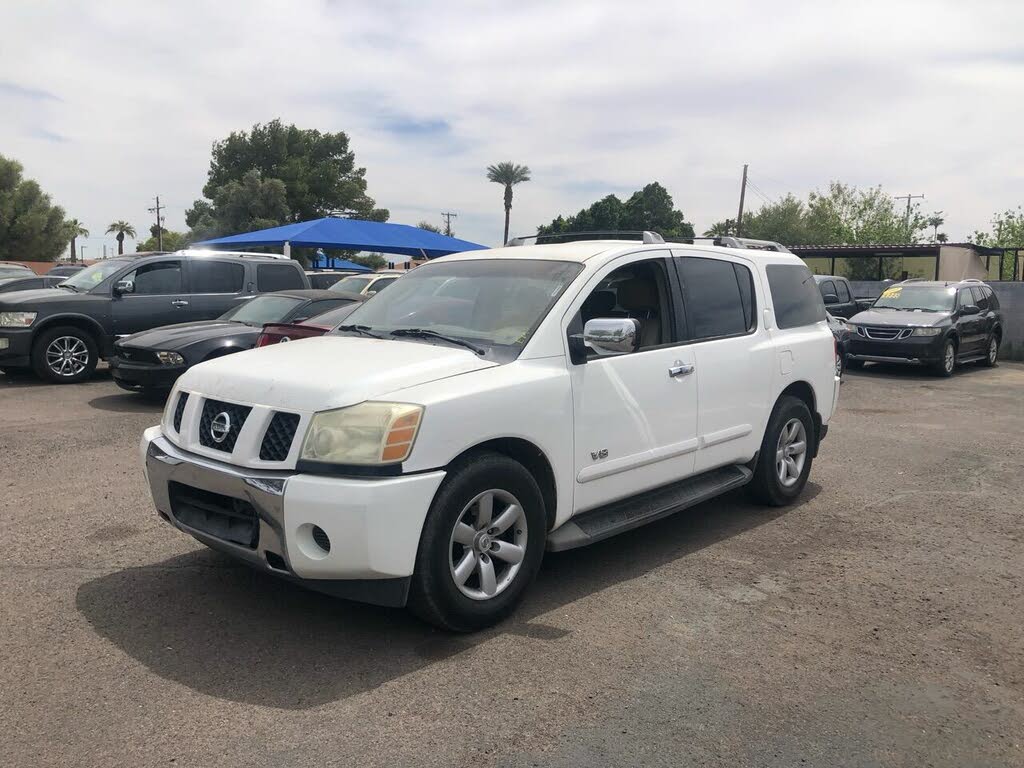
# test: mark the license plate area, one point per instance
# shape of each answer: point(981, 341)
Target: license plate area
point(224, 517)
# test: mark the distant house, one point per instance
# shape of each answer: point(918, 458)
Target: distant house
point(931, 261)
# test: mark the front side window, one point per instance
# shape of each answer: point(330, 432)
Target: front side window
point(826, 287)
point(158, 279)
point(966, 298)
point(796, 298)
point(638, 290)
point(719, 297)
point(216, 276)
point(508, 300)
point(980, 298)
point(262, 309)
point(277, 277)
point(927, 298)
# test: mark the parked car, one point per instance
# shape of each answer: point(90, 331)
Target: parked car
point(151, 361)
point(65, 270)
point(367, 284)
point(275, 333)
point(837, 293)
point(429, 450)
point(326, 278)
point(63, 332)
point(28, 283)
point(14, 269)
point(924, 322)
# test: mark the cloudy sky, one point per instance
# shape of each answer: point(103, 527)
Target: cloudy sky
point(108, 104)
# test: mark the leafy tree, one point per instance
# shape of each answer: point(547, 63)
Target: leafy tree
point(846, 215)
point(77, 230)
point(122, 228)
point(429, 227)
point(371, 260)
point(171, 241)
point(508, 174)
point(31, 227)
point(1007, 232)
point(650, 208)
point(784, 221)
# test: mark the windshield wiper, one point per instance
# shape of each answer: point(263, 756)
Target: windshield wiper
point(423, 333)
point(363, 329)
point(69, 287)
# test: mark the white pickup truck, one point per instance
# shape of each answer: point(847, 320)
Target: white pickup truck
point(495, 404)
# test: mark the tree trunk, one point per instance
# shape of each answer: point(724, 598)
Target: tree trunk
point(120, 243)
point(508, 209)
point(507, 212)
point(74, 252)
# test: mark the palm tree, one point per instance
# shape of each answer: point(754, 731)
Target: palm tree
point(77, 230)
point(721, 228)
point(941, 237)
point(935, 221)
point(122, 228)
point(508, 174)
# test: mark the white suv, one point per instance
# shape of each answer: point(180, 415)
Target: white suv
point(494, 404)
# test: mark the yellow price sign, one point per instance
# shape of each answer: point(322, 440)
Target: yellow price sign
point(892, 293)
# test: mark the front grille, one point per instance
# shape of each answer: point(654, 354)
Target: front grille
point(216, 411)
point(884, 332)
point(278, 439)
point(227, 518)
point(135, 355)
point(179, 410)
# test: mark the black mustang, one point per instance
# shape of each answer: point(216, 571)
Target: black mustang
point(151, 361)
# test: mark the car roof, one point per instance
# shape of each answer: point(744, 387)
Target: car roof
point(584, 250)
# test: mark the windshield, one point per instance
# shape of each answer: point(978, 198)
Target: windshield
point(92, 276)
point(6, 271)
point(263, 309)
point(496, 304)
point(353, 284)
point(930, 298)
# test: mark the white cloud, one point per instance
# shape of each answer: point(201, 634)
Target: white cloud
point(108, 104)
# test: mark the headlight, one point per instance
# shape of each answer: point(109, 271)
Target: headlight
point(927, 331)
point(17, 319)
point(170, 358)
point(368, 433)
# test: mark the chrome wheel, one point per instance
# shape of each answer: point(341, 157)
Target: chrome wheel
point(488, 545)
point(791, 452)
point(993, 351)
point(949, 360)
point(67, 356)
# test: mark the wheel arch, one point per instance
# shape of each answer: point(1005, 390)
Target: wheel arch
point(81, 322)
point(803, 391)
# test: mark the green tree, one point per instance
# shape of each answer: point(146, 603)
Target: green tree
point(846, 215)
point(429, 227)
point(170, 241)
point(508, 174)
point(1007, 232)
point(122, 229)
point(721, 228)
point(935, 221)
point(650, 208)
point(784, 221)
point(77, 230)
point(31, 227)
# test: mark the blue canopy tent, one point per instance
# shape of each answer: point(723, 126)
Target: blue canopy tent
point(351, 235)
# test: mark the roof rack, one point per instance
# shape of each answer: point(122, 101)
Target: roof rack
point(914, 280)
point(647, 237)
point(971, 280)
point(723, 241)
point(239, 254)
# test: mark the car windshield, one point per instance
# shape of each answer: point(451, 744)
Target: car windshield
point(493, 304)
point(92, 276)
point(929, 298)
point(262, 309)
point(353, 284)
point(10, 271)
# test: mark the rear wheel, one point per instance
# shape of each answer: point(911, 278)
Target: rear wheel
point(784, 463)
point(993, 352)
point(482, 544)
point(947, 363)
point(64, 355)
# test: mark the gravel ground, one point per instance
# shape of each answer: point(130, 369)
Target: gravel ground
point(877, 622)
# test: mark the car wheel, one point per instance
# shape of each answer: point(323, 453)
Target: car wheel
point(947, 363)
point(993, 352)
point(784, 462)
point(64, 355)
point(481, 546)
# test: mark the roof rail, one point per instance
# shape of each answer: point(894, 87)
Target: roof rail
point(724, 241)
point(646, 236)
point(971, 280)
point(238, 254)
point(914, 280)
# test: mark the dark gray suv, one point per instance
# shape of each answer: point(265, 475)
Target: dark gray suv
point(62, 332)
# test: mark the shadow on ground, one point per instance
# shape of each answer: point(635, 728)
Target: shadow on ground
point(129, 402)
point(226, 631)
point(910, 372)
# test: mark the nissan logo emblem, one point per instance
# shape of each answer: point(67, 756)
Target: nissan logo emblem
point(284, 339)
point(220, 427)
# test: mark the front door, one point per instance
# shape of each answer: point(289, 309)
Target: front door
point(635, 414)
point(158, 298)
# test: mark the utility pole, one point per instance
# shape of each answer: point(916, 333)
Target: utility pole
point(448, 222)
point(743, 192)
point(81, 250)
point(908, 198)
point(159, 225)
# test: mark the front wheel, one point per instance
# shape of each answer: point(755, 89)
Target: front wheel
point(64, 355)
point(947, 363)
point(482, 544)
point(784, 463)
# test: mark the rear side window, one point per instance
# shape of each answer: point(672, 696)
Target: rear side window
point(980, 298)
point(993, 300)
point(719, 297)
point(796, 299)
point(216, 277)
point(277, 277)
point(842, 291)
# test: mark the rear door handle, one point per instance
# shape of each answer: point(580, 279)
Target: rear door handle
point(180, 303)
point(682, 369)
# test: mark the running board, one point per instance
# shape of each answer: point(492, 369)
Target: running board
point(972, 358)
point(626, 514)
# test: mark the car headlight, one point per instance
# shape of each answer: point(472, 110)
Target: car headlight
point(927, 331)
point(369, 433)
point(850, 327)
point(17, 319)
point(170, 358)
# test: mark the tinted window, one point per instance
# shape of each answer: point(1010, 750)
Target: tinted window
point(796, 300)
point(746, 280)
point(639, 291)
point(277, 277)
point(323, 279)
point(161, 278)
point(980, 298)
point(263, 309)
point(216, 276)
point(993, 300)
point(826, 287)
point(714, 304)
point(966, 298)
point(843, 291)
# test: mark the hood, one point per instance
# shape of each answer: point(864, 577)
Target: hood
point(898, 317)
point(174, 337)
point(26, 299)
point(327, 372)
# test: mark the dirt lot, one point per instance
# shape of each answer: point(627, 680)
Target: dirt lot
point(879, 622)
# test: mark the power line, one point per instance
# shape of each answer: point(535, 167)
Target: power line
point(448, 216)
point(159, 224)
point(908, 198)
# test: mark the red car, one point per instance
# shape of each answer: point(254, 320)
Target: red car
point(275, 333)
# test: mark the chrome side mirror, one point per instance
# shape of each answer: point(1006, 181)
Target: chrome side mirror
point(612, 336)
point(124, 286)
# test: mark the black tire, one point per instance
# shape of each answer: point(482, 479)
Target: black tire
point(434, 595)
point(76, 338)
point(991, 355)
point(766, 486)
point(946, 364)
point(854, 365)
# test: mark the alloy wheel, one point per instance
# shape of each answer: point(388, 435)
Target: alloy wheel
point(993, 351)
point(488, 544)
point(949, 361)
point(67, 356)
point(791, 453)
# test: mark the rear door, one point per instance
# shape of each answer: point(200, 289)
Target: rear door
point(159, 298)
point(988, 315)
point(971, 327)
point(215, 286)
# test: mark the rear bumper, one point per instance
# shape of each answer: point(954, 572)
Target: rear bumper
point(137, 376)
point(15, 347)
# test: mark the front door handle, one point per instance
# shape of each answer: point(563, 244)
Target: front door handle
point(180, 303)
point(681, 369)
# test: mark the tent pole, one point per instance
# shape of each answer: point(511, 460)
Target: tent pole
point(287, 249)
